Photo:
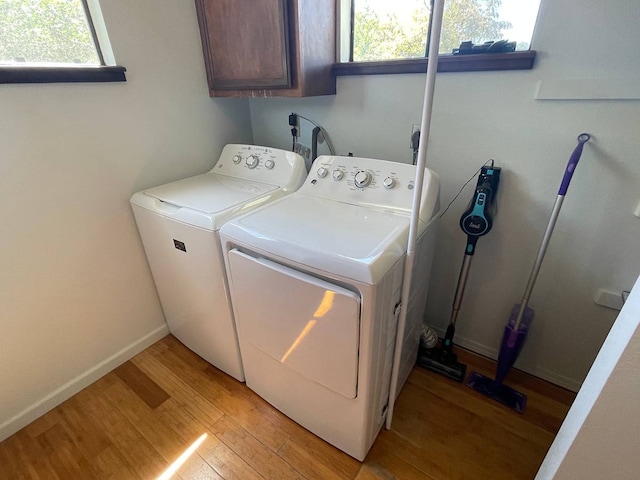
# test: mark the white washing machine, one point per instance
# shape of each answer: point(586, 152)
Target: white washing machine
point(315, 280)
point(179, 225)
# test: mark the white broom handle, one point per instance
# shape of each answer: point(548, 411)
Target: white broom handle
point(432, 67)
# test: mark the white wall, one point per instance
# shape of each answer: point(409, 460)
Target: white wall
point(600, 436)
point(76, 295)
point(485, 115)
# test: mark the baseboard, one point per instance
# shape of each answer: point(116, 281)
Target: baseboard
point(557, 379)
point(72, 387)
point(568, 383)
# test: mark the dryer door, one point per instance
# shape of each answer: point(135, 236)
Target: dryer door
point(309, 325)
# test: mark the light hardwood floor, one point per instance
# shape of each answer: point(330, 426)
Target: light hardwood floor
point(136, 421)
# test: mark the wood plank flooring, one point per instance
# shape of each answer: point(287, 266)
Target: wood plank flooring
point(135, 422)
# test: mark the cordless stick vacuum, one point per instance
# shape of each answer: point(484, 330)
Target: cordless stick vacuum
point(476, 221)
point(521, 316)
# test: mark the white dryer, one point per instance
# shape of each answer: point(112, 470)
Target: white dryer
point(315, 280)
point(179, 225)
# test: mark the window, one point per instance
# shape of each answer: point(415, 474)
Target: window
point(54, 41)
point(381, 30)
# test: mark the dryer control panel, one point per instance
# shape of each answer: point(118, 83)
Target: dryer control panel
point(261, 164)
point(367, 181)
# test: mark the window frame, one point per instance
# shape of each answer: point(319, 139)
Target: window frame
point(107, 71)
point(480, 62)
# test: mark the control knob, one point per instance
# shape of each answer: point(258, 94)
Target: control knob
point(338, 175)
point(269, 164)
point(362, 179)
point(389, 182)
point(322, 172)
point(253, 161)
point(237, 159)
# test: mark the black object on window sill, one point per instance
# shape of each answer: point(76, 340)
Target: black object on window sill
point(500, 46)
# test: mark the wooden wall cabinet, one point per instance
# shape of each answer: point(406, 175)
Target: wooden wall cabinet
point(268, 48)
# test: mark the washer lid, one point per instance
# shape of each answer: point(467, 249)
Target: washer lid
point(209, 193)
point(206, 201)
point(356, 242)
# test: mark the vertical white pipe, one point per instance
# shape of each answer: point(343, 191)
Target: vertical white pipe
point(432, 67)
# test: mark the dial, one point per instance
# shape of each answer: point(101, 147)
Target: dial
point(237, 159)
point(269, 164)
point(338, 175)
point(253, 161)
point(389, 182)
point(362, 179)
point(322, 172)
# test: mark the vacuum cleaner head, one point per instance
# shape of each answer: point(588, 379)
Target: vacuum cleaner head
point(442, 361)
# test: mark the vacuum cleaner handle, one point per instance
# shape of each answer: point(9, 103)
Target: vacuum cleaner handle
point(573, 163)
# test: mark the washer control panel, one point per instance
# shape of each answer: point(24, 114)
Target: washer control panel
point(262, 164)
point(364, 180)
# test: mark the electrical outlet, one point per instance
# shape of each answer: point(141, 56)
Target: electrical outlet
point(609, 299)
point(302, 150)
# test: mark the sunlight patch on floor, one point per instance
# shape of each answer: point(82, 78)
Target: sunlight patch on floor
point(173, 468)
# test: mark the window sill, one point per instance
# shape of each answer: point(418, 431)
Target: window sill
point(481, 62)
point(37, 74)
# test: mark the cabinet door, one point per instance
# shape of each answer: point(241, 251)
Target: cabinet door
point(245, 43)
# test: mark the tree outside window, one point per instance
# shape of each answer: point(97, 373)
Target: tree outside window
point(45, 31)
point(385, 30)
